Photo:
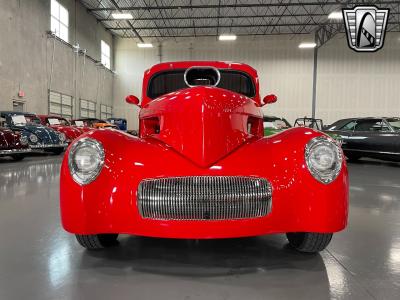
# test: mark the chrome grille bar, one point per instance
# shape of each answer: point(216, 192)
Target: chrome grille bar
point(204, 198)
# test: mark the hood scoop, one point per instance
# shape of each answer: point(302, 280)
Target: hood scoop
point(204, 124)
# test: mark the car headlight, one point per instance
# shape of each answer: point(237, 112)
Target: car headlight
point(62, 137)
point(85, 161)
point(23, 140)
point(33, 138)
point(324, 159)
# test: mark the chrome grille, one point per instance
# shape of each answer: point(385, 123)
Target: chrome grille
point(204, 198)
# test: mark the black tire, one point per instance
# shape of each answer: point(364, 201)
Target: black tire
point(352, 157)
point(57, 151)
point(18, 157)
point(310, 242)
point(97, 241)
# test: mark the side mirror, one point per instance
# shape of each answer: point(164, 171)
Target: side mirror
point(270, 99)
point(132, 100)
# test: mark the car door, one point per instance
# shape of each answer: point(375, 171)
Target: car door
point(373, 136)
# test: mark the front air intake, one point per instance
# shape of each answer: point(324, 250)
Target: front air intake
point(204, 198)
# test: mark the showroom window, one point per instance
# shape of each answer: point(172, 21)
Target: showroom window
point(105, 112)
point(60, 105)
point(59, 20)
point(87, 109)
point(105, 55)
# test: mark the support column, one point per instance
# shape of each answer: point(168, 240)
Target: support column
point(314, 88)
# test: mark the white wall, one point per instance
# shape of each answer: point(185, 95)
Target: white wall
point(26, 55)
point(348, 83)
point(358, 84)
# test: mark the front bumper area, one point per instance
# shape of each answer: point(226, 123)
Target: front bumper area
point(15, 151)
point(110, 204)
point(48, 146)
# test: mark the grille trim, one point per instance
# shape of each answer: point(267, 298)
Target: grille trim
point(204, 198)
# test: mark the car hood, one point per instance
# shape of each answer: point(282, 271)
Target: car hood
point(204, 124)
point(69, 131)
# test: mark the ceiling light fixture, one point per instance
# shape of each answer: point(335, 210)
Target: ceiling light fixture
point(307, 45)
point(336, 15)
point(122, 16)
point(145, 45)
point(227, 37)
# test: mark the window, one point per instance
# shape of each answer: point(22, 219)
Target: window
point(87, 109)
point(171, 81)
point(349, 126)
point(105, 112)
point(105, 55)
point(371, 125)
point(59, 20)
point(60, 104)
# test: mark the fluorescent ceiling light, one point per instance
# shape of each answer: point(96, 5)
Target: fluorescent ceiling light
point(227, 37)
point(145, 45)
point(337, 15)
point(307, 45)
point(122, 16)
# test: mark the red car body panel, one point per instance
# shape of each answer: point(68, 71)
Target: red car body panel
point(71, 132)
point(10, 143)
point(215, 132)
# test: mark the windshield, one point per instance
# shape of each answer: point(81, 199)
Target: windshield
point(171, 81)
point(395, 123)
point(276, 123)
point(57, 121)
point(23, 120)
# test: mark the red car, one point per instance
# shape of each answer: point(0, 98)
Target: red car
point(13, 144)
point(61, 125)
point(201, 167)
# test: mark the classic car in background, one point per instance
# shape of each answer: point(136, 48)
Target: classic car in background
point(369, 137)
point(12, 143)
point(39, 137)
point(202, 168)
point(62, 125)
point(92, 123)
point(120, 122)
point(274, 125)
point(316, 124)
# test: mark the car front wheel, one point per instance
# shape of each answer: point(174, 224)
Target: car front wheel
point(310, 242)
point(96, 241)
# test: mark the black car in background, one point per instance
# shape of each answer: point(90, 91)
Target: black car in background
point(369, 137)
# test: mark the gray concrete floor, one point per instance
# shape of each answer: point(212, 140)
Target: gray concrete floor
point(38, 260)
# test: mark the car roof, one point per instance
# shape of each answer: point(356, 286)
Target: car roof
point(173, 65)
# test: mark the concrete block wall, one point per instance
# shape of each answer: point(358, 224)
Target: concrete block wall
point(26, 54)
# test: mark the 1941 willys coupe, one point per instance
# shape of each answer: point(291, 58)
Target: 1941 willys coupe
point(201, 167)
point(39, 137)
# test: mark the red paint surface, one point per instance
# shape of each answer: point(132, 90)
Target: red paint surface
point(203, 135)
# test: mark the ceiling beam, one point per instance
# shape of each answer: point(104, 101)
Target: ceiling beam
point(254, 5)
point(129, 22)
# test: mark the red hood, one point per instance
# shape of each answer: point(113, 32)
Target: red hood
point(70, 132)
point(202, 123)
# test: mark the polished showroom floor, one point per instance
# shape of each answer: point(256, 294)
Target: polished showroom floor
point(38, 260)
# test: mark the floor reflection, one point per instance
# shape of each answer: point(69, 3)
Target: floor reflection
point(22, 178)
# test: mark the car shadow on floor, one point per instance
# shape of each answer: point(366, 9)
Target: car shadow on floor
point(198, 258)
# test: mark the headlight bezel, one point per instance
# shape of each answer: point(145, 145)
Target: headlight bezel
point(24, 140)
point(330, 174)
point(81, 177)
point(33, 138)
point(62, 137)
